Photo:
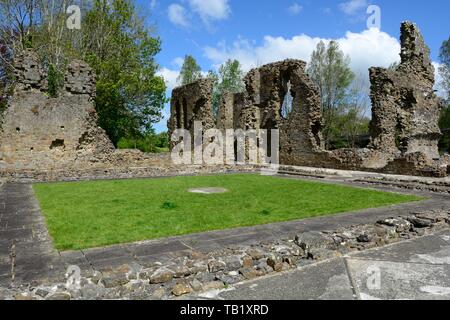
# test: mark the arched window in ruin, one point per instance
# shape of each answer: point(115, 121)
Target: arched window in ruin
point(286, 107)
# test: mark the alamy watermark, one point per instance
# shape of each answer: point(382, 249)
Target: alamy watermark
point(374, 19)
point(374, 278)
point(73, 21)
point(226, 147)
point(73, 278)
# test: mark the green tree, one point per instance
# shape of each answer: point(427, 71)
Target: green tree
point(114, 40)
point(229, 79)
point(444, 124)
point(190, 71)
point(116, 43)
point(444, 69)
point(54, 80)
point(330, 70)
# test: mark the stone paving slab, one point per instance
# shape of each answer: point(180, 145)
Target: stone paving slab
point(325, 281)
point(400, 281)
point(428, 250)
point(24, 236)
point(395, 272)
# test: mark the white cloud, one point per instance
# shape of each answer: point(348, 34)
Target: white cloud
point(178, 15)
point(295, 9)
point(211, 9)
point(152, 4)
point(178, 61)
point(368, 48)
point(170, 77)
point(353, 6)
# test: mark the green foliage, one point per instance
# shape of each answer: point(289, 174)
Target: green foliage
point(115, 40)
point(151, 143)
point(130, 96)
point(444, 69)
point(97, 213)
point(169, 205)
point(190, 71)
point(229, 79)
point(54, 79)
point(346, 130)
point(444, 124)
point(342, 104)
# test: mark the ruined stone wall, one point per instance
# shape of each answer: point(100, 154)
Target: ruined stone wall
point(225, 116)
point(405, 109)
point(191, 103)
point(39, 131)
point(405, 113)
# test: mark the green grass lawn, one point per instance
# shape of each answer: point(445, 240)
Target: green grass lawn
point(91, 214)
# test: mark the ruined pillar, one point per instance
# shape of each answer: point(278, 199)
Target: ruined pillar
point(405, 108)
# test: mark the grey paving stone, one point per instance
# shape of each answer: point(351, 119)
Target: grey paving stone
point(151, 259)
point(156, 247)
point(429, 249)
point(111, 263)
point(326, 281)
point(388, 280)
point(73, 258)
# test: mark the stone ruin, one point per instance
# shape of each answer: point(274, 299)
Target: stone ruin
point(47, 138)
point(405, 113)
point(41, 131)
point(44, 138)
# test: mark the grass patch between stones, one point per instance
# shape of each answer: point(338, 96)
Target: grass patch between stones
point(98, 213)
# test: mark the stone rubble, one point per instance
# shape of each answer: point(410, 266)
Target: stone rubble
point(199, 272)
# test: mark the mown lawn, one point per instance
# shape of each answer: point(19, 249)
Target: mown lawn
point(92, 214)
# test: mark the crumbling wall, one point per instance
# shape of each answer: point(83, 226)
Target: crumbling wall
point(191, 103)
point(405, 113)
point(267, 88)
point(225, 114)
point(39, 131)
point(405, 108)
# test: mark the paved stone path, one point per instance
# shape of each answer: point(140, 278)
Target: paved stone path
point(26, 251)
point(417, 269)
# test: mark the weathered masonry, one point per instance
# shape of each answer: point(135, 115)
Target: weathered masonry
point(405, 113)
point(39, 131)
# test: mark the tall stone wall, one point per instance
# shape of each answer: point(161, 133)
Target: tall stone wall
point(405, 109)
point(191, 103)
point(39, 131)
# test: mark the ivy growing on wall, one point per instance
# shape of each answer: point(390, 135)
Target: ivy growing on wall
point(54, 79)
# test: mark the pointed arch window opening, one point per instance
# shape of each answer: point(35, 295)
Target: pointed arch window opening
point(286, 107)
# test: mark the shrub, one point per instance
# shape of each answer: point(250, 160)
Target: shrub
point(54, 79)
point(151, 143)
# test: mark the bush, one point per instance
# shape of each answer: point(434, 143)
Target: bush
point(444, 124)
point(151, 143)
point(54, 79)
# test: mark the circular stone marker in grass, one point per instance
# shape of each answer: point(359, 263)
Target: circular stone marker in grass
point(207, 190)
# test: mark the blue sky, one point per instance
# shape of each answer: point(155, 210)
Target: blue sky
point(262, 31)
